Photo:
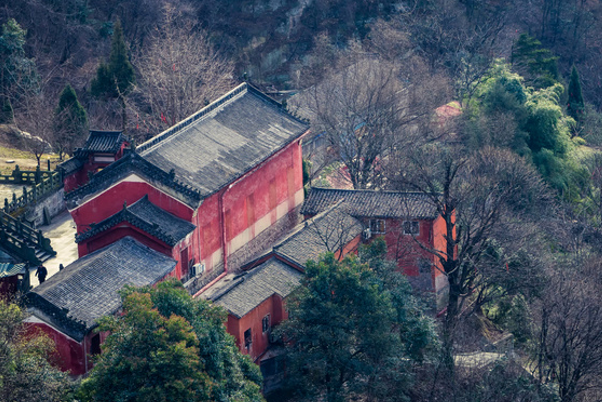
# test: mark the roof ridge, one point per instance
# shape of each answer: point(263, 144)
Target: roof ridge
point(128, 216)
point(269, 99)
point(153, 173)
point(159, 138)
point(311, 221)
point(367, 190)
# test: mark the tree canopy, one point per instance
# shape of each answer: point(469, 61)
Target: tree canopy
point(115, 78)
point(18, 73)
point(576, 106)
point(168, 347)
point(347, 333)
point(70, 122)
point(26, 372)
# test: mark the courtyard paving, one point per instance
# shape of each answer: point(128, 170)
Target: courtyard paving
point(61, 233)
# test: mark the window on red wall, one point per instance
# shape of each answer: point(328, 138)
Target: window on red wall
point(265, 324)
point(248, 338)
point(184, 262)
point(377, 226)
point(411, 228)
point(95, 345)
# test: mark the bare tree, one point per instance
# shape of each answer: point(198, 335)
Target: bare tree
point(335, 229)
point(363, 109)
point(570, 336)
point(484, 199)
point(180, 72)
point(35, 120)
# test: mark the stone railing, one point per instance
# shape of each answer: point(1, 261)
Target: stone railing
point(41, 183)
point(22, 239)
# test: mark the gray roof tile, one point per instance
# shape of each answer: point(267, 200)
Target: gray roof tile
point(326, 232)
point(104, 141)
point(87, 289)
point(147, 217)
point(71, 165)
point(224, 140)
point(370, 203)
point(169, 224)
point(251, 289)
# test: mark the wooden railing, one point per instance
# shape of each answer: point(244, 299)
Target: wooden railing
point(41, 183)
point(23, 239)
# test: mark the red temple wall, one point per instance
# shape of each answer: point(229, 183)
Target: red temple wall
point(111, 201)
point(252, 204)
point(273, 306)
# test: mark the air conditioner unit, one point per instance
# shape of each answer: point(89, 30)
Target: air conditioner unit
point(366, 234)
point(197, 269)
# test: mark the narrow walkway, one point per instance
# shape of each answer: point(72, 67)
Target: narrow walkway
point(61, 233)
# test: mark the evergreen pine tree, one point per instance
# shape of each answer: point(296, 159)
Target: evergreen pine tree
point(70, 121)
point(115, 79)
point(575, 106)
point(534, 62)
point(6, 110)
point(18, 75)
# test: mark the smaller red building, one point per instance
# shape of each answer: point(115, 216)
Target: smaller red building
point(409, 223)
point(100, 150)
point(255, 299)
point(67, 306)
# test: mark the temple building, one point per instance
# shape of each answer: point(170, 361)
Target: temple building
point(216, 201)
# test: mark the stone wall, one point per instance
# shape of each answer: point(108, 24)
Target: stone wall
point(54, 204)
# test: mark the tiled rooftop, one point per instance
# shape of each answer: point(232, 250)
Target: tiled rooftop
point(104, 141)
point(257, 285)
point(87, 289)
point(326, 232)
point(166, 222)
point(224, 140)
point(370, 203)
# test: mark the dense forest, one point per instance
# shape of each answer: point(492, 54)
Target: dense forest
point(493, 109)
point(278, 45)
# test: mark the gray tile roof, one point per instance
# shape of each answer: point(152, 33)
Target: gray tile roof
point(146, 216)
point(224, 140)
point(370, 203)
point(251, 289)
point(326, 232)
point(8, 269)
point(98, 141)
point(86, 290)
point(71, 165)
point(104, 141)
point(169, 224)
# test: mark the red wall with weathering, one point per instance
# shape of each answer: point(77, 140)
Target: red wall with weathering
point(273, 306)
point(247, 207)
point(70, 353)
point(250, 205)
point(253, 203)
point(110, 201)
point(405, 249)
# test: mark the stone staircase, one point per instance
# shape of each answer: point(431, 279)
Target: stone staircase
point(24, 241)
